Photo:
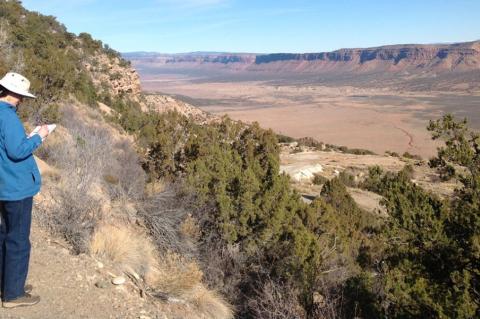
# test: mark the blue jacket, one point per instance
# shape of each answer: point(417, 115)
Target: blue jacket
point(19, 174)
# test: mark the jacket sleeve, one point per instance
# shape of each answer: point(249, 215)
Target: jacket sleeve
point(17, 144)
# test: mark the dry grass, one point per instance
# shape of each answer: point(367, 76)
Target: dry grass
point(210, 304)
point(125, 246)
point(182, 278)
point(154, 187)
point(170, 273)
point(276, 301)
point(95, 166)
point(190, 228)
point(175, 275)
point(93, 204)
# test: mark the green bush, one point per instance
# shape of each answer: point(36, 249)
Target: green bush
point(319, 179)
point(50, 114)
point(347, 179)
point(232, 171)
point(412, 156)
point(285, 139)
point(52, 58)
point(429, 265)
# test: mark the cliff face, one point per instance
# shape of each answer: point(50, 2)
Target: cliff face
point(443, 57)
point(221, 58)
point(464, 56)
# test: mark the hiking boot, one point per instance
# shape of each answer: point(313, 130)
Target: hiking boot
point(25, 300)
point(28, 289)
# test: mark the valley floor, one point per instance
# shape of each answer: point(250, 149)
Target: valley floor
point(368, 118)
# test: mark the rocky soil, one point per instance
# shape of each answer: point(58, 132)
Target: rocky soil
point(164, 103)
point(333, 163)
point(66, 285)
point(79, 286)
point(109, 74)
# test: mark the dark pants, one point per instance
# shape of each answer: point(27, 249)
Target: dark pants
point(15, 246)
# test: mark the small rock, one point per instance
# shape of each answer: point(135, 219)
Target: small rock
point(318, 299)
point(120, 280)
point(102, 284)
point(144, 317)
point(176, 300)
point(99, 265)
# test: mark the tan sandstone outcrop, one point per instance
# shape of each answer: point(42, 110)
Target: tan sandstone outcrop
point(114, 76)
point(163, 103)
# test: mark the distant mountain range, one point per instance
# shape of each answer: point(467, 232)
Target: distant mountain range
point(445, 64)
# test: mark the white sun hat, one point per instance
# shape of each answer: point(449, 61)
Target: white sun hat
point(16, 83)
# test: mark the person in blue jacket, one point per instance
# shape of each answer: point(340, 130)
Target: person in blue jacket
point(19, 181)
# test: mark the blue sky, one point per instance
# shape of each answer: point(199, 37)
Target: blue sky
point(265, 26)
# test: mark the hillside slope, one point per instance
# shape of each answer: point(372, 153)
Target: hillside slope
point(96, 198)
point(200, 221)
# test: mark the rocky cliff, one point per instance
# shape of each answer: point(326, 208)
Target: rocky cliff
point(437, 67)
point(462, 56)
point(416, 58)
point(113, 75)
point(164, 103)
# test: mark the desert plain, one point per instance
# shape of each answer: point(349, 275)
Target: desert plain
point(378, 119)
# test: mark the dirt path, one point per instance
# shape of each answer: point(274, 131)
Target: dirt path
point(66, 284)
point(410, 136)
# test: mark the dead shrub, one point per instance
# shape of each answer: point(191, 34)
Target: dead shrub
point(163, 215)
point(224, 268)
point(85, 153)
point(125, 165)
point(328, 303)
point(276, 301)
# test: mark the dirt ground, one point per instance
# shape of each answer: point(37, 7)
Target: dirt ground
point(368, 118)
point(66, 284)
point(333, 163)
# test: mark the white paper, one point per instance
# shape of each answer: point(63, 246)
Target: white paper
point(51, 128)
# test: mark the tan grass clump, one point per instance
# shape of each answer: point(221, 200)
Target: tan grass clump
point(169, 273)
point(155, 187)
point(190, 228)
point(210, 304)
point(180, 277)
point(175, 275)
point(129, 248)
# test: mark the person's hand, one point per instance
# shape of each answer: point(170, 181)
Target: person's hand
point(43, 132)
